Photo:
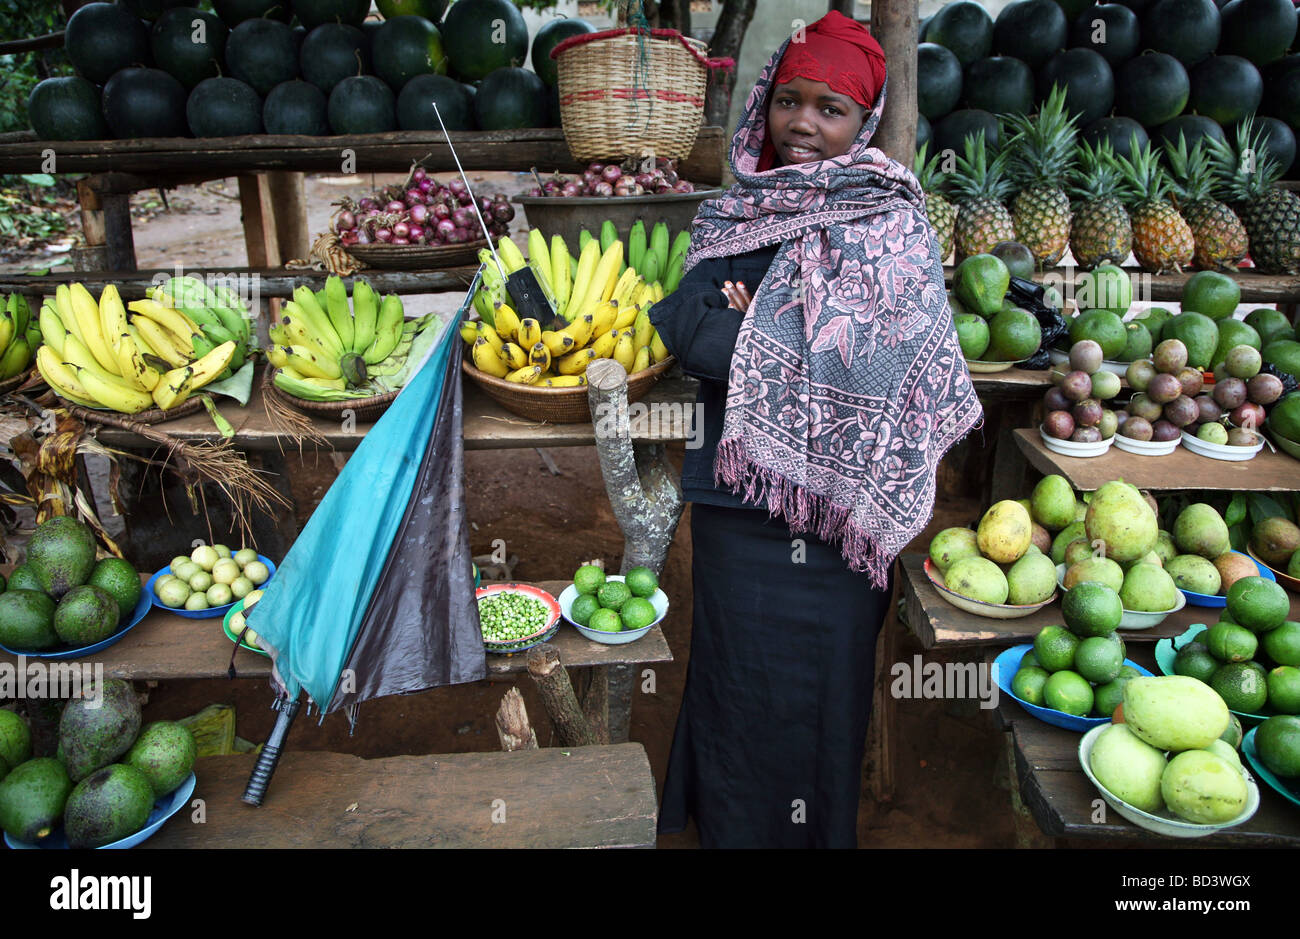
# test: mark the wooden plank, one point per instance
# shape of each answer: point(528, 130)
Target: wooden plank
point(1013, 383)
point(92, 214)
point(543, 147)
point(588, 797)
point(1255, 288)
point(1269, 471)
point(259, 221)
point(937, 622)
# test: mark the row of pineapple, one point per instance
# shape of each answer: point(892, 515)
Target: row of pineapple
point(1209, 205)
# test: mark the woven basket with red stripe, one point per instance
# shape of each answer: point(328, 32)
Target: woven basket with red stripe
point(632, 93)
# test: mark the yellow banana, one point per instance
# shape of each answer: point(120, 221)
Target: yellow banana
point(491, 336)
point(296, 333)
point(658, 351)
point(643, 329)
point(604, 317)
point(170, 319)
point(564, 381)
point(131, 361)
point(626, 284)
point(111, 395)
point(86, 310)
point(540, 355)
point(603, 347)
point(278, 356)
point(658, 289)
point(305, 360)
point(588, 260)
point(528, 375)
point(145, 347)
point(626, 316)
point(63, 306)
point(530, 332)
point(7, 324)
point(558, 342)
point(487, 360)
point(76, 354)
point(625, 350)
point(510, 255)
point(642, 360)
point(62, 378)
point(112, 315)
point(539, 257)
point(581, 329)
point(469, 331)
point(561, 283)
point(317, 321)
point(214, 363)
point(513, 355)
point(575, 363)
point(505, 321)
point(173, 387)
point(52, 329)
point(607, 273)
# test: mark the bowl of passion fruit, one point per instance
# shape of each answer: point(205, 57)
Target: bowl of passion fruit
point(608, 614)
point(235, 624)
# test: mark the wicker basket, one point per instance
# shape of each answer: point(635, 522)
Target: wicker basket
point(614, 106)
point(417, 257)
point(557, 405)
point(364, 410)
point(153, 416)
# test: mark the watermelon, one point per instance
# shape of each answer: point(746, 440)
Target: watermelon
point(313, 13)
point(1188, 30)
point(1225, 88)
point(67, 108)
point(145, 102)
point(331, 53)
point(924, 132)
point(1073, 8)
point(1118, 130)
point(262, 53)
point(1108, 29)
point(1278, 141)
point(172, 42)
point(1284, 98)
point(938, 80)
point(296, 107)
point(1152, 89)
point(1259, 30)
point(1138, 6)
point(964, 27)
point(415, 104)
point(102, 39)
point(552, 33)
point(234, 12)
point(151, 10)
point(1032, 31)
point(431, 10)
point(510, 98)
point(1000, 84)
point(951, 131)
point(405, 47)
point(1087, 79)
point(470, 32)
point(223, 107)
point(1193, 127)
point(363, 104)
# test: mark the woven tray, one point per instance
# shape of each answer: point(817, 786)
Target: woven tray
point(417, 257)
point(9, 384)
point(557, 405)
point(364, 410)
point(154, 416)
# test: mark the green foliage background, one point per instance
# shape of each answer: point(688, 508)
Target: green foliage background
point(21, 19)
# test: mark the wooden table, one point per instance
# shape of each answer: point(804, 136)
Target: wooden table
point(1269, 471)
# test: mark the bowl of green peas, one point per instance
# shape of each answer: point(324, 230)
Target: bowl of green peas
point(515, 617)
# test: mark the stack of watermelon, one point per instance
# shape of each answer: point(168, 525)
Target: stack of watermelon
point(164, 68)
point(1154, 67)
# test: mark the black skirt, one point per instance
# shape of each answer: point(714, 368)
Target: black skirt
point(769, 741)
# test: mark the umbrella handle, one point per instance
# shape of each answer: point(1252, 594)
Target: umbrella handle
point(255, 791)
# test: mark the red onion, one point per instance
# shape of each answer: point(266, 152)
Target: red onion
point(384, 235)
point(362, 237)
point(425, 186)
point(662, 188)
point(500, 197)
point(439, 211)
point(402, 230)
point(623, 186)
point(344, 221)
point(463, 218)
point(371, 213)
point(645, 180)
point(590, 179)
point(670, 176)
point(457, 188)
point(419, 173)
point(414, 197)
point(367, 203)
point(395, 206)
point(348, 238)
point(602, 188)
point(503, 212)
point(536, 191)
point(638, 189)
point(419, 214)
point(611, 173)
point(445, 227)
point(400, 241)
point(596, 168)
point(415, 232)
point(465, 234)
point(571, 189)
point(683, 186)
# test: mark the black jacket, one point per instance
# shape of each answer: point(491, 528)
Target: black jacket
point(699, 328)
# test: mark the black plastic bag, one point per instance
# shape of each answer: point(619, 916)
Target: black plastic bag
point(1031, 296)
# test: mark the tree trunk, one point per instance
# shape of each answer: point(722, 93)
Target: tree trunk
point(557, 695)
point(727, 39)
point(676, 14)
point(893, 23)
point(513, 727)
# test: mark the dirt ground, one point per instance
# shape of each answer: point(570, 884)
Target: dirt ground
point(950, 789)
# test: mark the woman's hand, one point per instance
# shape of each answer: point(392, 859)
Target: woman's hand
point(738, 297)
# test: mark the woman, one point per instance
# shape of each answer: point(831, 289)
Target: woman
point(814, 314)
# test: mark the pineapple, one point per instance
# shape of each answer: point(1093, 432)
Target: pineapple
point(1220, 237)
point(941, 213)
point(1101, 232)
point(1247, 177)
point(980, 185)
point(1162, 240)
point(1041, 151)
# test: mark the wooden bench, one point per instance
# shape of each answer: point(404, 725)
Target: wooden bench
point(582, 797)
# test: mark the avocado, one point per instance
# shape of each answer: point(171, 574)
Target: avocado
point(24, 578)
point(165, 753)
point(27, 620)
point(62, 553)
point(32, 798)
point(106, 806)
point(15, 738)
point(92, 736)
point(120, 579)
point(86, 615)
point(4, 768)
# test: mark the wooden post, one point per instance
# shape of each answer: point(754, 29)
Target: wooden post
point(894, 23)
point(557, 695)
point(289, 205)
point(259, 222)
point(106, 226)
point(117, 231)
point(513, 727)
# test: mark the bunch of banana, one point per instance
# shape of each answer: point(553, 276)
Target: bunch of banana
point(653, 259)
point(218, 313)
point(327, 349)
point(19, 337)
point(94, 355)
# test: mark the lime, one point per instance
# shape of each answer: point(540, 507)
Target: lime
point(582, 608)
point(1027, 685)
point(972, 334)
point(613, 594)
point(1054, 648)
point(1233, 733)
point(1098, 659)
point(1069, 692)
point(1107, 697)
point(1214, 294)
point(641, 581)
point(1013, 335)
point(1283, 644)
point(119, 580)
point(1194, 661)
point(605, 621)
point(1229, 642)
point(1029, 660)
point(1278, 743)
point(1284, 689)
point(1102, 327)
point(588, 578)
point(1241, 687)
point(1258, 604)
point(637, 613)
point(1092, 609)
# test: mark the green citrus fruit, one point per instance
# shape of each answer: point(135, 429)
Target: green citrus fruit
point(587, 579)
point(582, 608)
point(1068, 692)
point(1027, 685)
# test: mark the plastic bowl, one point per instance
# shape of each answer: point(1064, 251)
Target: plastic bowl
point(1217, 601)
point(1219, 451)
point(1286, 446)
point(1008, 663)
point(237, 607)
point(1167, 650)
point(1132, 619)
point(163, 808)
point(1147, 447)
point(1283, 578)
point(213, 611)
point(658, 599)
point(1072, 447)
point(63, 653)
point(1287, 788)
point(979, 607)
point(536, 638)
point(1164, 824)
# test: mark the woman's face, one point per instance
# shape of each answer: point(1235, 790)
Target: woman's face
point(808, 121)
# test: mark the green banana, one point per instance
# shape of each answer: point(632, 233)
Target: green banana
point(22, 313)
point(340, 314)
point(636, 246)
point(317, 322)
point(608, 235)
point(203, 344)
point(650, 268)
point(311, 390)
point(659, 247)
point(16, 358)
point(681, 244)
point(584, 236)
point(233, 321)
point(365, 315)
point(673, 277)
point(389, 331)
point(7, 330)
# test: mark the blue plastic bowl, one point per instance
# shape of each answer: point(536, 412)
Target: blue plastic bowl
point(211, 612)
point(1008, 663)
point(163, 809)
point(142, 606)
point(1216, 601)
point(1289, 789)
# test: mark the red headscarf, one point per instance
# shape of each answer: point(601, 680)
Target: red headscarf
point(839, 52)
